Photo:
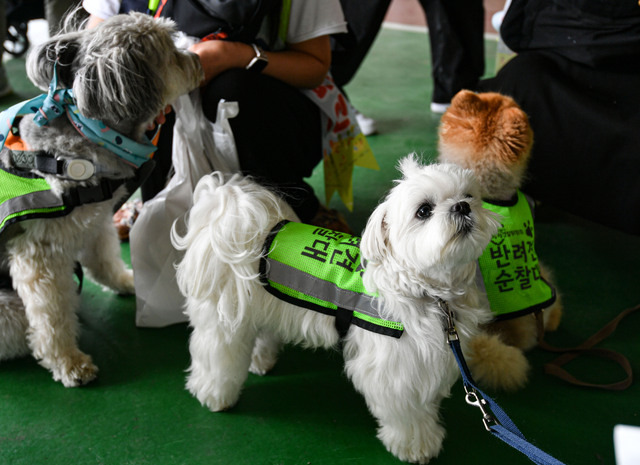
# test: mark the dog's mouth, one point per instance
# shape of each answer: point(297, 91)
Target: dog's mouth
point(461, 215)
point(465, 226)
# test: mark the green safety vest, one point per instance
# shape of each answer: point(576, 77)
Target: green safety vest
point(320, 269)
point(509, 264)
point(24, 196)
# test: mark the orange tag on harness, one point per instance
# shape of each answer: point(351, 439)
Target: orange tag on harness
point(15, 143)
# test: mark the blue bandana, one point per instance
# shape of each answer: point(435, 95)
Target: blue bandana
point(59, 101)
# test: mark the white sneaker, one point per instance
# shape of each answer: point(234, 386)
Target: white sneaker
point(439, 107)
point(367, 125)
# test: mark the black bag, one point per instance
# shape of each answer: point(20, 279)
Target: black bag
point(593, 33)
point(239, 19)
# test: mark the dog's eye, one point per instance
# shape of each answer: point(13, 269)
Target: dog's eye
point(425, 211)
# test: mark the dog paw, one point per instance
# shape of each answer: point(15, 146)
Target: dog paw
point(497, 365)
point(265, 355)
point(260, 366)
point(78, 370)
point(212, 397)
point(410, 445)
point(217, 404)
point(125, 284)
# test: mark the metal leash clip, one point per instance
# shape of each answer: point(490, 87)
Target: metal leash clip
point(450, 330)
point(474, 399)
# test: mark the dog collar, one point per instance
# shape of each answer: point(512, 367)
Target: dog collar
point(59, 101)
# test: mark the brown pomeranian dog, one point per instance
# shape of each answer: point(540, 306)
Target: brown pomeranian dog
point(490, 134)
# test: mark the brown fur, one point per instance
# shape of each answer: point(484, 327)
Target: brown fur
point(490, 134)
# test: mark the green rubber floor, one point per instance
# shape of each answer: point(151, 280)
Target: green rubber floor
point(305, 411)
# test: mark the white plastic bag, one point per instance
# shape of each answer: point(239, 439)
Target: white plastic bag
point(199, 147)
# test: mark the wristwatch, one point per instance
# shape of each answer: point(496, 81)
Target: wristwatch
point(258, 62)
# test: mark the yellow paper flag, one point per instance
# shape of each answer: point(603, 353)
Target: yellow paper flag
point(347, 152)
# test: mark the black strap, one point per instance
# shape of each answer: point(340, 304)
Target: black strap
point(132, 184)
point(343, 321)
point(77, 270)
point(92, 194)
point(39, 160)
point(47, 163)
point(104, 191)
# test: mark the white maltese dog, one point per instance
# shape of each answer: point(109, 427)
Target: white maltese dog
point(80, 146)
point(419, 248)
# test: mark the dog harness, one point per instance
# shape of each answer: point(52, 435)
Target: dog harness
point(320, 269)
point(509, 265)
point(25, 195)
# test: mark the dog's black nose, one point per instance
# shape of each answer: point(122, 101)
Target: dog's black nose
point(461, 207)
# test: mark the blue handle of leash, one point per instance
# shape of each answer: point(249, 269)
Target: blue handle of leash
point(501, 425)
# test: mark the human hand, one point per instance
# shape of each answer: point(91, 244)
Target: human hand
point(217, 56)
point(304, 64)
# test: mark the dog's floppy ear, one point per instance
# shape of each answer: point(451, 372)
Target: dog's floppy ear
point(375, 244)
point(62, 49)
point(116, 84)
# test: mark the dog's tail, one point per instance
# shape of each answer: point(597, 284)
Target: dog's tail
point(225, 232)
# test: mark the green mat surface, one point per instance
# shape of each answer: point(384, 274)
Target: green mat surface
point(305, 411)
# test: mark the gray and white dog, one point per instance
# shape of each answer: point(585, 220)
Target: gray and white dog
point(106, 86)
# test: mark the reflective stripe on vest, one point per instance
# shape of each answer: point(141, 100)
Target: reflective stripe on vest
point(509, 264)
point(320, 270)
point(26, 197)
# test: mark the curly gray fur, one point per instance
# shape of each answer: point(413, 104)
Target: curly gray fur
point(123, 72)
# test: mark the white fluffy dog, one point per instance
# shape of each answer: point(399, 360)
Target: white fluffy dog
point(419, 247)
point(121, 75)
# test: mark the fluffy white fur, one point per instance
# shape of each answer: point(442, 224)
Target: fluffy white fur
point(411, 262)
point(123, 72)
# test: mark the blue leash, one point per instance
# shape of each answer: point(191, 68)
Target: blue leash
point(495, 420)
